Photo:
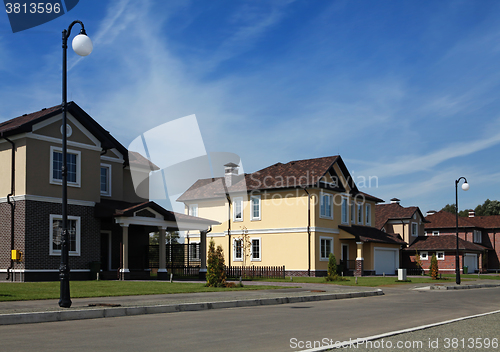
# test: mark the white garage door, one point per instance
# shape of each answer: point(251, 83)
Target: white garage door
point(386, 261)
point(470, 260)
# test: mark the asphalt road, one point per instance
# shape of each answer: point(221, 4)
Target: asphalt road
point(266, 328)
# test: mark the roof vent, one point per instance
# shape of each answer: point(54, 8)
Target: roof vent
point(430, 212)
point(472, 213)
point(395, 201)
point(44, 109)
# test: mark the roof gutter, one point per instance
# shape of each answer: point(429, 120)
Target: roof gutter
point(9, 200)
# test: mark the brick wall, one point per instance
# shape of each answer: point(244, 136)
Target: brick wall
point(5, 232)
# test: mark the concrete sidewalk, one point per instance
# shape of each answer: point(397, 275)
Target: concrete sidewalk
point(23, 312)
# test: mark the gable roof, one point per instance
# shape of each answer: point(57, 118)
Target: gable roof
point(25, 123)
point(443, 219)
point(487, 222)
point(294, 174)
point(371, 234)
point(446, 243)
point(393, 211)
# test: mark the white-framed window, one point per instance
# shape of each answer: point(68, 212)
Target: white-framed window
point(440, 255)
point(425, 233)
point(435, 233)
point(368, 214)
point(345, 211)
point(105, 180)
point(360, 214)
point(353, 213)
point(255, 208)
point(73, 162)
point(193, 209)
point(414, 229)
point(256, 249)
point(238, 209)
point(194, 251)
point(424, 255)
point(238, 249)
point(478, 236)
point(325, 248)
point(55, 235)
point(326, 206)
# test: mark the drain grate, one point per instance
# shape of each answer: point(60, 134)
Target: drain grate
point(317, 291)
point(104, 305)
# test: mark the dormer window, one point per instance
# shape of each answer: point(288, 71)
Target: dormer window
point(105, 180)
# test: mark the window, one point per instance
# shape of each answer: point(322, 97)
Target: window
point(72, 162)
point(55, 235)
point(193, 209)
point(368, 214)
point(256, 250)
point(425, 233)
point(194, 251)
point(478, 238)
point(326, 247)
point(106, 180)
point(440, 255)
point(414, 229)
point(435, 233)
point(255, 208)
point(360, 214)
point(238, 209)
point(424, 256)
point(238, 249)
point(345, 211)
point(326, 206)
point(353, 213)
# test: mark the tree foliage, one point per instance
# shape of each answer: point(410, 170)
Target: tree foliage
point(216, 276)
point(489, 207)
point(171, 237)
point(434, 269)
point(332, 274)
point(450, 208)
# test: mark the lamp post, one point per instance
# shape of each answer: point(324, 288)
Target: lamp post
point(465, 187)
point(82, 45)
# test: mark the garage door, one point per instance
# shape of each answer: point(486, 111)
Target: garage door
point(386, 261)
point(470, 260)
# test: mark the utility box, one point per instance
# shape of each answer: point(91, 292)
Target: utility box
point(401, 274)
point(16, 255)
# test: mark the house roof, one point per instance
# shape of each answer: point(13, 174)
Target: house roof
point(487, 222)
point(393, 211)
point(294, 174)
point(445, 243)
point(371, 234)
point(444, 219)
point(25, 123)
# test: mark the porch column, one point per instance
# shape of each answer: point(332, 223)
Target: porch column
point(359, 259)
point(124, 272)
point(203, 255)
point(162, 270)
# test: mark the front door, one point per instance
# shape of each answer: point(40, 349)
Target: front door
point(106, 251)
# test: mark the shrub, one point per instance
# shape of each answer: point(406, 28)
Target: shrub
point(434, 269)
point(216, 276)
point(332, 274)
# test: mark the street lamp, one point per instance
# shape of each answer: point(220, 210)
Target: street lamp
point(82, 45)
point(465, 187)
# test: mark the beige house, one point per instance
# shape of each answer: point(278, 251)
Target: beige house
point(108, 222)
point(294, 214)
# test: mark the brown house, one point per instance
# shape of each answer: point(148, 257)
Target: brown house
point(108, 222)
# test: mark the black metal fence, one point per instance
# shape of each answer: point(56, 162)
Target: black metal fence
point(181, 259)
point(268, 272)
point(415, 271)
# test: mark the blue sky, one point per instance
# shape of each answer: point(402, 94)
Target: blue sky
point(404, 91)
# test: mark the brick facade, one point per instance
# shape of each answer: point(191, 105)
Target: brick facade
point(448, 264)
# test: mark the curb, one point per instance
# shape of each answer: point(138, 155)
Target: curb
point(463, 287)
point(44, 317)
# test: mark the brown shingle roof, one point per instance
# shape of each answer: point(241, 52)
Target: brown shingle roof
point(371, 234)
point(487, 222)
point(385, 212)
point(446, 243)
point(26, 119)
point(444, 219)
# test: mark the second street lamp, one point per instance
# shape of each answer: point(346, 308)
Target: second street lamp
point(82, 45)
point(465, 187)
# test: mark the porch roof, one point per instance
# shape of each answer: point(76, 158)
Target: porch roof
point(371, 234)
point(150, 213)
point(445, 243)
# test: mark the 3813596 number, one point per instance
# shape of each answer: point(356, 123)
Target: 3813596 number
point(32, 7)
point(481, 343)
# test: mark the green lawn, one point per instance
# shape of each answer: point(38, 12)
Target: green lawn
point(21, 291)
point(375, 281)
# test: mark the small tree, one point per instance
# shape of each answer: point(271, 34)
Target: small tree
point(216, 276)
point(434, 269)
point(418, 260)
point(332, 274)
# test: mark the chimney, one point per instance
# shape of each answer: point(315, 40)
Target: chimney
point(230, 173)
point(395, 201)
point(472, 213)
point(430, 212)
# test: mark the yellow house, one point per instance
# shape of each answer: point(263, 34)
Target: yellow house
point(294, 214)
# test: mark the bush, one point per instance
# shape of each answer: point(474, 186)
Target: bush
point(332, 274)
point(434, 269)
point(216, 276)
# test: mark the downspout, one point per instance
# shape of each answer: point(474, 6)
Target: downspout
point(409, 238)
point(308, 232)
point(10, 202)
point(228, 228)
